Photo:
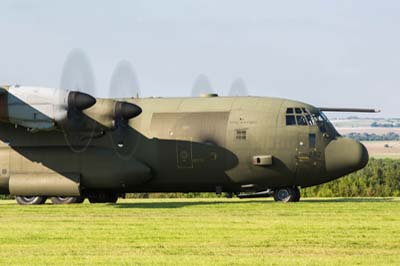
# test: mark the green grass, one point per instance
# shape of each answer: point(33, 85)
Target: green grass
point(203, 232)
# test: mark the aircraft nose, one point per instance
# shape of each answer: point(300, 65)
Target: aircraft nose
point(344, 156)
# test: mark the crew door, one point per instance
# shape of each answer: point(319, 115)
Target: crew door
point(309, 157)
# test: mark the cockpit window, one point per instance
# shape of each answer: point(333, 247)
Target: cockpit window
point(301, 116)
point(290, 120)
point(301, 120)
point(310, 120)
point(320, 120)
point(298, 116)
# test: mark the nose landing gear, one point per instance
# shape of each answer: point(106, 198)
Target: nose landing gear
point(287, 194)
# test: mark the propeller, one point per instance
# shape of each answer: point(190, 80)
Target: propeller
point(238, 88)
point(78, 77)
point(77, 73)
point(124, 84)
point(202, 85)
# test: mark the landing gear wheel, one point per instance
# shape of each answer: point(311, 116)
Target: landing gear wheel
point(297, 194)
point(286, 194)
point(30, 200)
point(104, 198)
point(67, 200)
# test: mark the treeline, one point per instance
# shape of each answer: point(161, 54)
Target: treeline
point(380, 178)
point(385, 124)
point(373, 137)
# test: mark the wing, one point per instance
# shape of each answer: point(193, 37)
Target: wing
point(39, 108)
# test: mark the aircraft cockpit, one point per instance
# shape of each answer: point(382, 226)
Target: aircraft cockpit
point(301, 116)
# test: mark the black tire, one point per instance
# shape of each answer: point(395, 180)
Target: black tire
point(30, 200)
point(104, 198)
point(297, 194)
point(285, 194)
point(67, 200)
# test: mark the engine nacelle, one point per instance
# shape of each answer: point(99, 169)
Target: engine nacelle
point(107, 112)
point(40, 108)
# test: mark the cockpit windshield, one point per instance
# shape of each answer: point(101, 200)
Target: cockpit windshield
point(300, 116)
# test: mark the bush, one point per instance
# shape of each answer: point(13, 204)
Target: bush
point(380, 178)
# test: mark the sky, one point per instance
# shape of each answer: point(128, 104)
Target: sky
point(326, 53)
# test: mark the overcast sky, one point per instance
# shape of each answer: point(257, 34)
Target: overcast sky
point(327, 53)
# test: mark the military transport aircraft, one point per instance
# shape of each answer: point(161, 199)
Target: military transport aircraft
point(68, 145)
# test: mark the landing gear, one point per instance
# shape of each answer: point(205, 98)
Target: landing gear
point(30, 200)
point(287, 194)
point(103, 198)
point(297, 194)
point(67, 200)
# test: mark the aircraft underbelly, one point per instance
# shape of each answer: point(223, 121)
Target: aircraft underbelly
point(96, 168)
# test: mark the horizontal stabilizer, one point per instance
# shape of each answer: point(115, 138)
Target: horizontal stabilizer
point(349, 110)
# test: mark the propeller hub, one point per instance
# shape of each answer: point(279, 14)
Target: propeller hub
point(126, 110)
point(80, 100)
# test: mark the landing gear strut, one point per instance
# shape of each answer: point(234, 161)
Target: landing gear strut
point(30, 200)
point(287, 194)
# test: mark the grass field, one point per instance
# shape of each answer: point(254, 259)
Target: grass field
point(203, 232)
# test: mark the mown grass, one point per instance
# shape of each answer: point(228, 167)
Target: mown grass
point(203, 232)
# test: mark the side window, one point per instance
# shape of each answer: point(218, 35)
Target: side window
point(241, 134)
point(290, 120)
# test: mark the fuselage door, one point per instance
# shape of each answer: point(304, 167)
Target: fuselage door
point(308, 156)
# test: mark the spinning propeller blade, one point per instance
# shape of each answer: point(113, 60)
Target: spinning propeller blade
point(202, 85)
point(78, 77)
point(238, 88)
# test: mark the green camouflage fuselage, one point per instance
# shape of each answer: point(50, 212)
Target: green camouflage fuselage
point(182, 145)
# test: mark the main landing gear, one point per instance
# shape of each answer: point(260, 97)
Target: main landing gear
point(30, 200)
point(103, 198)
point(287, 194)
point(93, 198)
point(67, 200)
point(38, 200)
